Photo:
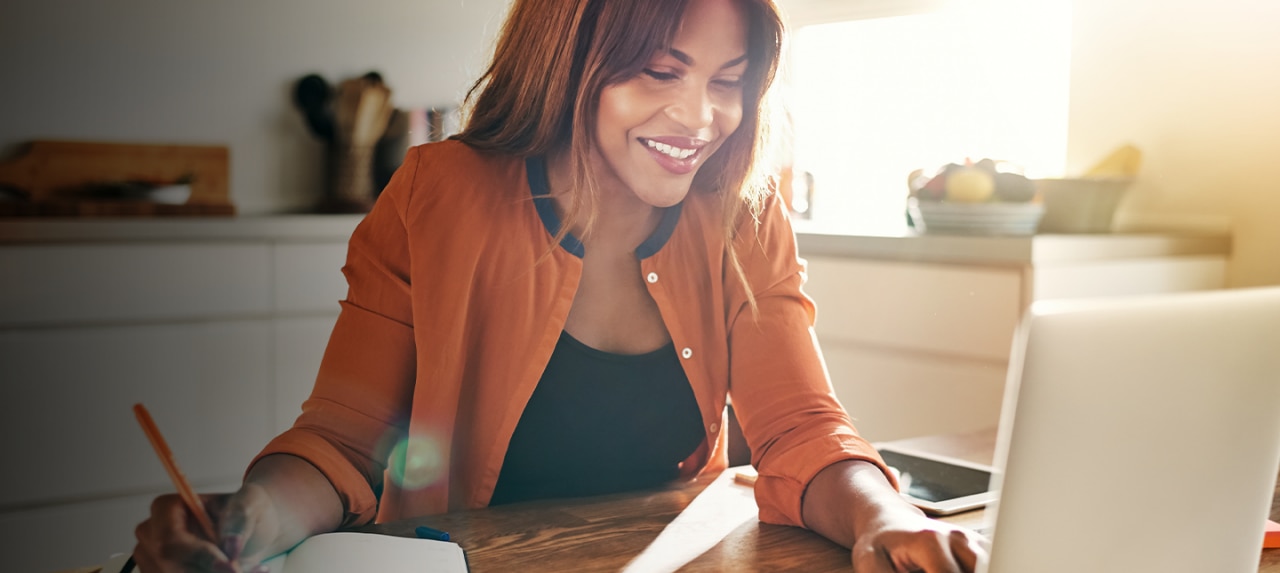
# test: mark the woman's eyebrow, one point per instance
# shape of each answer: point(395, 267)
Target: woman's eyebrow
point(688, 61)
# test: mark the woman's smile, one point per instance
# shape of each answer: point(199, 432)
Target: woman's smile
point(679, 155)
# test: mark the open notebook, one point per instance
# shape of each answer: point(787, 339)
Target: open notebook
point(364, 552)
point(358, 552)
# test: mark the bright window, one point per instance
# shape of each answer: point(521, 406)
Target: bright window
point(874, 98)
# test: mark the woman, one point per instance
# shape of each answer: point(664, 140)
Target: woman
point(560, 301)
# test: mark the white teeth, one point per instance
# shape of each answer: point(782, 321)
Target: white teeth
point(669, 150)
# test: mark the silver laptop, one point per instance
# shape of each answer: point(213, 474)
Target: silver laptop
point(1140, 434)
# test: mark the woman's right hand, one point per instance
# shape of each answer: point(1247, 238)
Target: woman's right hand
point(171, 541)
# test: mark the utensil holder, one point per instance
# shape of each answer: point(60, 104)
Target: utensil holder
point(351, 178)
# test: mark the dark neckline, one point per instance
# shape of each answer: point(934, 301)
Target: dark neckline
point(536, 169)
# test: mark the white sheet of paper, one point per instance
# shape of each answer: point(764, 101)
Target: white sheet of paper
point(365, 552)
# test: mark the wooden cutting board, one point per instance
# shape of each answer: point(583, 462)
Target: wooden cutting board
point(47, 171)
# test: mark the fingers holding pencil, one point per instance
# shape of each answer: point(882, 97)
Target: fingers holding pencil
point(181, 534)
point(171, 540)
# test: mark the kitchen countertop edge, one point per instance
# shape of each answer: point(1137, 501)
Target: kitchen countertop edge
point(906, 247)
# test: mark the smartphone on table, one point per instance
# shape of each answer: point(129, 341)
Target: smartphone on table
point(937, 484)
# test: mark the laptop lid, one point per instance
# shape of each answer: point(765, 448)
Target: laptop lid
point(1140, 434)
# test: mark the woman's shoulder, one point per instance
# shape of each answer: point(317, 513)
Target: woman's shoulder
point(454, 159)
point(451, 174)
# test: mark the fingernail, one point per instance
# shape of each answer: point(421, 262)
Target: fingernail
point(260, 569)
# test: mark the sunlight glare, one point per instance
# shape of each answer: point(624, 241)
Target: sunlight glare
point(875, 99)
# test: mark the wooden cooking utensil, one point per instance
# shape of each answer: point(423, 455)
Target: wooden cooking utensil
point(363, 111)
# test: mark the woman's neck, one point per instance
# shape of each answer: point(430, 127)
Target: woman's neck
point(622, 220)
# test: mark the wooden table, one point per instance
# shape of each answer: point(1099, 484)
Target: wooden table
point(706, 525)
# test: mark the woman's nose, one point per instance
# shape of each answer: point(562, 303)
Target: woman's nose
point(693, 107)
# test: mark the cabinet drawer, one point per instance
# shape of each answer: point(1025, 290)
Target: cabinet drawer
point(942, 309)
point(73, 535)
point(66, 398)
point(1129, 277)
point(893, 395)
point(77, 535)
point(300, 345)
point(308, 277)
point(54, 284)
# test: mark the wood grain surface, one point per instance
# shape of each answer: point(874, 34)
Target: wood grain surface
point(643, 531)
point(705, 525)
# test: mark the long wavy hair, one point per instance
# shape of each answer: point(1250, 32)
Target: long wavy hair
point(541, 93)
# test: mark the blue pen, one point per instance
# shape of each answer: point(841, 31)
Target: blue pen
point(425, 532)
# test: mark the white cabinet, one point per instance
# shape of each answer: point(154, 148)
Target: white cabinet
point(946, 310)
point(68, 393)
point(299, 345)
point(916, 331)
point(915, 348)
point(88, 284)
point(218, 327)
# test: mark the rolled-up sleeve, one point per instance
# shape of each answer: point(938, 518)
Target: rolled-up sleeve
point(361, 398)
point(779, 385)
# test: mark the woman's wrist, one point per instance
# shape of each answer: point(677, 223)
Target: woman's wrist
point(849, 498)
point(302, 500)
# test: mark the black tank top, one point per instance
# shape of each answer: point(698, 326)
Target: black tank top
point(601, 423)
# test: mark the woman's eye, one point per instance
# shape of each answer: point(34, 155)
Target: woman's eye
point(660, 76)
point(728, 83)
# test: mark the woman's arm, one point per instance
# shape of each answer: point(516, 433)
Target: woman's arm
point(283, 500)
point(325, 471)
point(304, 501)
point(851, 503)
point(815, 470)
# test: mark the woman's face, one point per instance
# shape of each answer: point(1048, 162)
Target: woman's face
point(655, 130)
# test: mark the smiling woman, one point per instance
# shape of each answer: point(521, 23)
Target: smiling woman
point(656, 129)
point(559, 302)
point(539, 99)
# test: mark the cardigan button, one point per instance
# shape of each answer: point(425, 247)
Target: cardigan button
point(687, 353)
point(714, 427)
point(652, 278)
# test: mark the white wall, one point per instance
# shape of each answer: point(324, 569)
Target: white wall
point(221, 72)
point(1192, 83)
point(1195, 85)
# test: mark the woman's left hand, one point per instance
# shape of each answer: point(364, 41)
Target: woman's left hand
point(904, 540)
point(853, 504)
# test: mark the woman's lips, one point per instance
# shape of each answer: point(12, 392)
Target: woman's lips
point(678, 155)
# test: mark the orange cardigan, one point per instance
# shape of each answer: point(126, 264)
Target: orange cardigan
point(457, 297)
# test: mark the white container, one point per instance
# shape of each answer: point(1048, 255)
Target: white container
point(1080, 205)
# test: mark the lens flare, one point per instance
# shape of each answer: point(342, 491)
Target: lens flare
point(416, 462)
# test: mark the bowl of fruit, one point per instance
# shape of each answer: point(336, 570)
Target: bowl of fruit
point(1087, 204)
point(983, 198)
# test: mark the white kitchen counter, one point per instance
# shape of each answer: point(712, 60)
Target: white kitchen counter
point(903, 247)
point(1012, 250)
point(276, 227)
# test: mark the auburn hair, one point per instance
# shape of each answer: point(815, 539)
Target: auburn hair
point(553, 58)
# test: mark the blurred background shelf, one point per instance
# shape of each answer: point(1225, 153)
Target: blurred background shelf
point(79, 179)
